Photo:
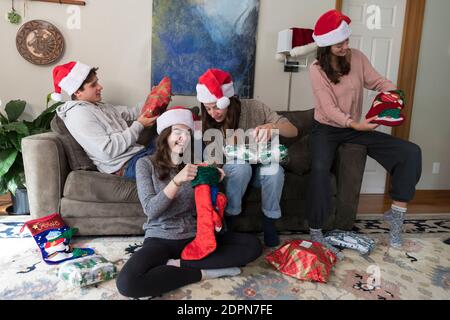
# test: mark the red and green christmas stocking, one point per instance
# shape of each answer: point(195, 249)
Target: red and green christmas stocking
point(388, 106)
point(53, 236)
point(210, 205)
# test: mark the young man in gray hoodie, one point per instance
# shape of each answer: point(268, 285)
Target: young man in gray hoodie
point(100, 128)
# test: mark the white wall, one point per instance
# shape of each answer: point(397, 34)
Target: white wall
point(430, 127)
point(115, 35)
point(271, 82)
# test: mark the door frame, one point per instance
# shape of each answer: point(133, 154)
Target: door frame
point(409, 61)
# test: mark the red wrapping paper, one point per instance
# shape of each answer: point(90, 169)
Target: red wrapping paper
point(304, 260)
point(158, 99)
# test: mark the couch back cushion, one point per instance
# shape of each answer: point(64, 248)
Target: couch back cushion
point(76, 156)
point(299, 155)
point(146, 135)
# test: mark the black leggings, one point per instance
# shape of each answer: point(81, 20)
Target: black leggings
point(401, 158)
point(146, 273)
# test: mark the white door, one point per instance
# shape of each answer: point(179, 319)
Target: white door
point(377, 29)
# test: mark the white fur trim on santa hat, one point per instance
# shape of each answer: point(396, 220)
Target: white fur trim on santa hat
point(343, 32)
point(303, 50)
point(175, 116)
point(205, 96)
point(223, 102)
point(56, 96)
point(73, 81)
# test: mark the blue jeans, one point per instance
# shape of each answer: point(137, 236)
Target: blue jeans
point(130, 170)
point(269, 178)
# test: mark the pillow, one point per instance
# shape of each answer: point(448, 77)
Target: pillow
point(76, 156)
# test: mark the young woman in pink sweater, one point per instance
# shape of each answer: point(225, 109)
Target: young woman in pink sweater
point(338, 78)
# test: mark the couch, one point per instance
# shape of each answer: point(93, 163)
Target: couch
point(61, 178)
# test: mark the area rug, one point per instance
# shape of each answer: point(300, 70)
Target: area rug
point(421, 270)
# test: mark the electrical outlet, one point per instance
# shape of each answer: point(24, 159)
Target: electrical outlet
point(436, 167)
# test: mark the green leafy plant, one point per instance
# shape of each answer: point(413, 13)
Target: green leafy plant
point(13, 17)
point(12, 131)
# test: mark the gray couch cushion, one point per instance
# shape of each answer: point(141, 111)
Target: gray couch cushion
point(100, 187)
point(302, 120)
point(92, 218)
point(299, 157)
point(76, 156)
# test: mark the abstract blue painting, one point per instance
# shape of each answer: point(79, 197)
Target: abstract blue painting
point(190, 36)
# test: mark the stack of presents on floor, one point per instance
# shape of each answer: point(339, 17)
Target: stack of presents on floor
point(78, 266)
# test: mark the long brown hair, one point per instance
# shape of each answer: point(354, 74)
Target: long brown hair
point(162, 160)
point(324, 58)
point(231, 120)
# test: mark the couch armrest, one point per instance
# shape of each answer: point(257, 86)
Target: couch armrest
point(349, 167)
point(46, 170)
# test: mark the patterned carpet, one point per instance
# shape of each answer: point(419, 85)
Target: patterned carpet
point(419, 271)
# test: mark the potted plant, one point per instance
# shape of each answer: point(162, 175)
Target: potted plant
point(12, 131)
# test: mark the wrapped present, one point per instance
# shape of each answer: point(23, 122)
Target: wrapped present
point(158, 98)
point(87, 270)
point(304, 260)
point(351, 240)
point(263, 153)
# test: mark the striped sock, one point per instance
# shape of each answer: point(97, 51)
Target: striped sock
point(395, 217)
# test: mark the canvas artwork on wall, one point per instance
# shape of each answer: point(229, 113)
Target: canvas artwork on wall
point(190, 36)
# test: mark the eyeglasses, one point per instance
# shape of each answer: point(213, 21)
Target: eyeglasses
point(181, 132)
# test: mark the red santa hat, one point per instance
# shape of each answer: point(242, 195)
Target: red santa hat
point(69, 77)
point(296, 42)
point(215, 85)
point(332, 28)
point(175, 115)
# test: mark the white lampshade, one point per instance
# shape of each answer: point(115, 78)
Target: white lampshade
point(284, 41)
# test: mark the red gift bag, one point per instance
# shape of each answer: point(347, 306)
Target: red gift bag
point(304, 260)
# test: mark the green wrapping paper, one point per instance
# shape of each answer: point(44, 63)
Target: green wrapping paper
point(86, 271)
point(256, 153)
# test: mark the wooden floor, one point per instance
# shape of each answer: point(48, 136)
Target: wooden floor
point(425, 202)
